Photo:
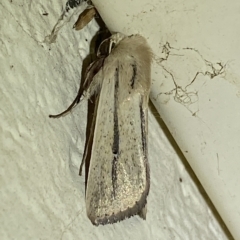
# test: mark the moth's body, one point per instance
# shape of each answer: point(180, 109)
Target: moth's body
point(118, 179)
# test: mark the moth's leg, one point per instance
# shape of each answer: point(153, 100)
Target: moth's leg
point(90, 86)
point(75, 102)
point(95, 86)
point(90, 137)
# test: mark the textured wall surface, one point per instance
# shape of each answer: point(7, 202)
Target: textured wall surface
point(42, 195)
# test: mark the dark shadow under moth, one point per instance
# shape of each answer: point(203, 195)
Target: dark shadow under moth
point(118, 178)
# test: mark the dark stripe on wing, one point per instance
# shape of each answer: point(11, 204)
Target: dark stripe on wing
point(115, 148)
point(143, 128)
point(134, 68)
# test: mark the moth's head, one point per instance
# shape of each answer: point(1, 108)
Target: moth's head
point(115, 39)
point(109, 44)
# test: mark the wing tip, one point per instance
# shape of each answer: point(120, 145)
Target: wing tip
point(139, 208)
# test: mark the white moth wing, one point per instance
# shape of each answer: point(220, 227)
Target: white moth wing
point(118, 179)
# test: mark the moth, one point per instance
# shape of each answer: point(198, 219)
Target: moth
point(118, 177)
point(84, 18)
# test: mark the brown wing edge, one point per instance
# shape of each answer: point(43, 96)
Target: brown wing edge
point(138, 209)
